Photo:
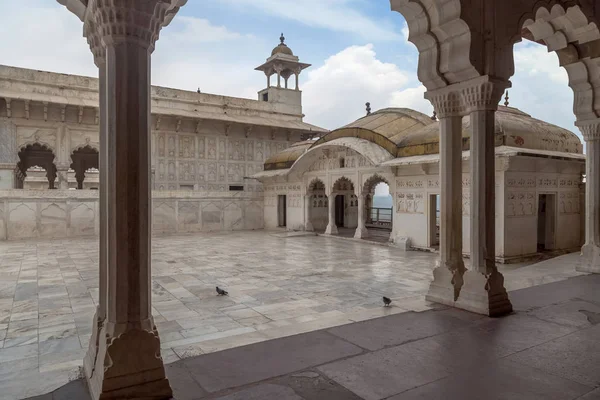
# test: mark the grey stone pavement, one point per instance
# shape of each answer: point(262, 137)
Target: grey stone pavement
point(280, 285)
point(549, 349)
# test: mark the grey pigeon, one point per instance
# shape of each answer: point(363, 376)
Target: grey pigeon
point(386, 301)
point(221, 292)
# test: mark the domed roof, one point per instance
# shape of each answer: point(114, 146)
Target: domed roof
point(285, 158)
point(404, 132)
point(513, 128)
point(282, 48)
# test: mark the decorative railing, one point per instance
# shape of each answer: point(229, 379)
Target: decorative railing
point(380, 217)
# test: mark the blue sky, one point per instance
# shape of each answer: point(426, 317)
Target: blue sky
point(358, 49)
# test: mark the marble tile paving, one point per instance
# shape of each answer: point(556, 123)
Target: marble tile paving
point(278, 285)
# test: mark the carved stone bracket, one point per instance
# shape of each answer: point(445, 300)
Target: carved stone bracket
point(482, 93)
point(589, 129)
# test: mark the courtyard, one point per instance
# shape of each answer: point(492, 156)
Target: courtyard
point(280, 284)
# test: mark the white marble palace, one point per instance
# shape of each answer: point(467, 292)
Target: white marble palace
point(328, 184)
point(203, 149)
point(509, 185)
point(212, 156)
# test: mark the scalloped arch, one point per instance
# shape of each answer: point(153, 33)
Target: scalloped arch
point(437, 30)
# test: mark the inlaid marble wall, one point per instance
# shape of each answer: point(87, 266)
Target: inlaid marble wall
point(210, 160)
point(61, 214)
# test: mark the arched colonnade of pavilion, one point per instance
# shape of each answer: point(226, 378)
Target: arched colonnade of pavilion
point(465, 62)
point(343, 194)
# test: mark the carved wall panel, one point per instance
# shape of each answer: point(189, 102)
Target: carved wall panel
point(569, 203)
point(410, 203)
point(187, 145)
point(521, 204)
point(29, 135)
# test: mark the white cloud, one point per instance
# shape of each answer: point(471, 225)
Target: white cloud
point(335, 15)
point(43, 35)
point(199, 30)
point(405, 31)
point(335, 94)
point(535, 61)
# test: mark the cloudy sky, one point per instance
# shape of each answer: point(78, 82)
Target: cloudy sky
point(358, 50)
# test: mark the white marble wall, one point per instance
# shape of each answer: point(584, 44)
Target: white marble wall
point(26, 214)
point(519, 183)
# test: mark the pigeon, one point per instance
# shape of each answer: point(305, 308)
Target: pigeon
point(221, 292)
point(386, 301)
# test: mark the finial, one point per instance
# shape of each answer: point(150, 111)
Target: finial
point(506, 99)
point(368, 108)
point(199, 90)
point(282, 38)
point(434, 116)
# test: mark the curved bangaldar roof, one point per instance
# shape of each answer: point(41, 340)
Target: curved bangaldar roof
point(513, 128)
point(384, 127)
point(404, 132)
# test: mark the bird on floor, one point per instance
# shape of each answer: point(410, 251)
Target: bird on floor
point(386, 301)
point(221, 292)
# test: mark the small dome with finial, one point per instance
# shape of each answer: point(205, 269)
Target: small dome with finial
point(282, 48)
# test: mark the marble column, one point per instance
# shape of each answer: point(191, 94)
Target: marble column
point(308, 226)
point(331, 226)
point(450, 268)
point(483, 290)
point(8, 154)
point(128, 362)
point(590, 251)
point(361, 231)
point(62, 175)
point(89, 362)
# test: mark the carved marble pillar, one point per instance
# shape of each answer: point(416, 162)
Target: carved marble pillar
point(90, 360)
point(450, 268)
point(62, 174)
point(127, 361)
point(483, 289)
point(308, 226)
point(480, 289)
point(331, 226)
point(8, 154)
point(361, 231)
point(591, 249)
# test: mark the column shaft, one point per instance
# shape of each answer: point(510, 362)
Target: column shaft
point(308, 226)
point(448, 274)
point(331, 226)
point(591, 249)
point(483, 180)
point(361, 230)
point(128, 195)
point(451, 228)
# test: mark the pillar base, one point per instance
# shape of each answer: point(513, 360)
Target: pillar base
point(473, 292)
point(361, 233)
point(445, 288)
point(89, 361)
point(129, 366)
point(590, 259)
point(331, 229)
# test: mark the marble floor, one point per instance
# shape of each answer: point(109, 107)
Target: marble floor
point(280, 285)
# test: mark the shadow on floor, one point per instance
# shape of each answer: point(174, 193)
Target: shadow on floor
point(548, 350)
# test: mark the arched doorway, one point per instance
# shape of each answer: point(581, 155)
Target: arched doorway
point(318, 205)
point(378, 211)
point(84, 159)
point(35, 155)
point(343, 209)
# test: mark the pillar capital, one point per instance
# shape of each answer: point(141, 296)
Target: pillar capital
point(460, 99)
point(107, 21)
point(590, 129)
point(482, 94)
